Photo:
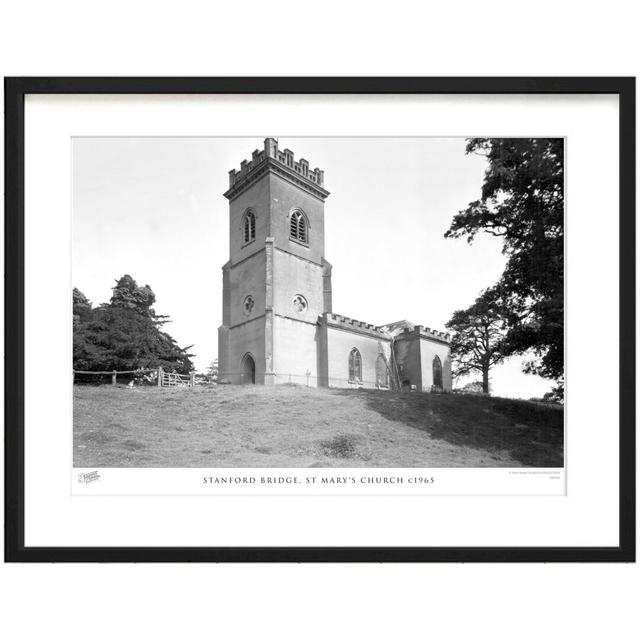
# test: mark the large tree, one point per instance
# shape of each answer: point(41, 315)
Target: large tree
point(125, 334)
point(522, 202)
point(128, 295)
point(477, 340)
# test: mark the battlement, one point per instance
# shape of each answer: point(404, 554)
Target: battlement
point(335, 319)
point(284, 157)
point(350, 324)
point(426, 332)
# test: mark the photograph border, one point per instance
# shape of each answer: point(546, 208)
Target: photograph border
point(15, 91)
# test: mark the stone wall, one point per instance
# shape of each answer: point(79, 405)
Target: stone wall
point(295, 276)
point(339, 343)
point(240, 340)
point(428, 351)
point(415, 350)
point(257, 199)
point(284, 197)
point(294, 351)
point(247, 278)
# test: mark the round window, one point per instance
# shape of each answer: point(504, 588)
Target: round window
point(248, 305)
point(300, 304)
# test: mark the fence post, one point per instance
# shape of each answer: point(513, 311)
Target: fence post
point(114, 375)
point(192, 379)
point(159, 376)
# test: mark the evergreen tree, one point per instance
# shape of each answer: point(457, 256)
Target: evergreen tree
point(125, 334)
point(128, 295)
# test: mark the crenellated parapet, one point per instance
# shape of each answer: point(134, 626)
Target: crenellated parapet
point(426, 332)
point(408, 333)
point(283, 162)
point(350, 324)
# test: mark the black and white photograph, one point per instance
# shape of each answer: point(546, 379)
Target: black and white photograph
point(318, 302)
point(367, 318)
point(320, 320)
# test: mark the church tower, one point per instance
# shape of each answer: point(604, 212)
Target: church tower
point(277, 282)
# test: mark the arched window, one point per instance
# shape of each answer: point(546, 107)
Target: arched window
point(299, 226)
point(437, 372)
point(355, 366)
point(382, 372)
point(249, 226)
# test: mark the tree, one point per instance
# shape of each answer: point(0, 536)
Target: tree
point(211, 374)
point(128, 295)
point(81, 306)
point(477, 337)
point(522, 201)
point(122, 339)
point(124, 334)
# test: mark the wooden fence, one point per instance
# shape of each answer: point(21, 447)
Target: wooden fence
point(162, 377)
point(175, 379)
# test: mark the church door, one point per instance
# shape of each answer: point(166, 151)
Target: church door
point(248, 370)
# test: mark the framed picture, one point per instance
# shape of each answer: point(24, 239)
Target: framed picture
point(320, 319)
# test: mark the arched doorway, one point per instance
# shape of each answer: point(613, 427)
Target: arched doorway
point(248, 370)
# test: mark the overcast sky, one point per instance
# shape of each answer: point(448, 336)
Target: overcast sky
point(153, 208)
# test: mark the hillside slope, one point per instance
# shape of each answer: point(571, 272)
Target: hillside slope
point(290, 426)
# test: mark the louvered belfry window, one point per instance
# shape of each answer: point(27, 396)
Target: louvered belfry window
point(249, 226)
point(298, 227)
point(355, 366)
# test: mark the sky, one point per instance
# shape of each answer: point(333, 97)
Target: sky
point(153, 208)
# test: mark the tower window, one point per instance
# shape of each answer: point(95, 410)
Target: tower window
point(300, 303)
point(437, 372)
point(247, 305)
point(299, 227)
point(249, 226)
point(355, 366)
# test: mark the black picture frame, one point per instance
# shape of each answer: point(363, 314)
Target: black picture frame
point(15, 91)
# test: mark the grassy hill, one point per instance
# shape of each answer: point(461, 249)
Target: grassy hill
point(291, 426)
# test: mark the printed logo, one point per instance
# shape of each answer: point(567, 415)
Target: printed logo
point(86, 478)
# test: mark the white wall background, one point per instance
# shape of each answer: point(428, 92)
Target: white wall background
point(331, 38)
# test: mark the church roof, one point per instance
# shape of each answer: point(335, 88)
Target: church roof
point(399, 327)
point(394, 328)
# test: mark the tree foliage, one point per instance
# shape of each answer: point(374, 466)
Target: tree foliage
point(128, 295)
point(475, 386)
point(125, 334)
point(211, 374)
point(477, 341)
point(81, 306)
point(522, 202)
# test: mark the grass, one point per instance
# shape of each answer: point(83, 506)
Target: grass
point(290, 426)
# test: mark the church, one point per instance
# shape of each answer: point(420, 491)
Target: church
point(278, 324)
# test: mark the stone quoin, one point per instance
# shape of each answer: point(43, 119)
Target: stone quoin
point(278, 325)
